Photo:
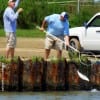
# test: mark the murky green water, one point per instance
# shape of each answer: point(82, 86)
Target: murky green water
point(80, 95)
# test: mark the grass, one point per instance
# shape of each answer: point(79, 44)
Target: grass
point(26, 33)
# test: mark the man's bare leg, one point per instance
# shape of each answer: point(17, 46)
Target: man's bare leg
point(12, 53)
point(59, 53)
point(47, 52)
point(9, 52)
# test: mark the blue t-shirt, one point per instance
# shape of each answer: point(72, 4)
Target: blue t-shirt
point(56, 26)
point(9, 18)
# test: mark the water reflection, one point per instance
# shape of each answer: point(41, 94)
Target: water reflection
point(80, 95)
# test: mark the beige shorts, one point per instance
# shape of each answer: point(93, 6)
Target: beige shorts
point(11, 40)
point(50, 42)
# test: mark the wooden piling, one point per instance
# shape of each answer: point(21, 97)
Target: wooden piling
point(95, 76)
point(73, 78)
point(33, 75)
point(54, 75)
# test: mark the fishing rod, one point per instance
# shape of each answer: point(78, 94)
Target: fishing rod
point(82, 76)
point(71, 47)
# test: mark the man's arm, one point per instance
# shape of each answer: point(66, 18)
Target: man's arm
point(16, 4)
point(43, 25)
point(66, 39)
point(66, 33)
point(45, 21)
point(14, 16)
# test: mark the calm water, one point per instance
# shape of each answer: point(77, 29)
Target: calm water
point(80, 95)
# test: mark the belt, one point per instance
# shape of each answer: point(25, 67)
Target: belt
point(51, 37)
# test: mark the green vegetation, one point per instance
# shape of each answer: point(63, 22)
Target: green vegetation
point(2, 33)
point(30, 33)
point(37, 59)
point(36, 10)
point(8, 60)
point(26, 33)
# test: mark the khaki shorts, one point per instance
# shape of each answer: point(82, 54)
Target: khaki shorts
point(50, 42)
point(11, 40)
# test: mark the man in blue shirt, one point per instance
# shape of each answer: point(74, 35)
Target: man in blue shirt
point(10, 18)
point(58, 25)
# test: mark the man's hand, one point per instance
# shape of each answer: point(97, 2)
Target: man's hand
point(20, 10)
point(42, 28)
point(66, 38)
point(43, 25)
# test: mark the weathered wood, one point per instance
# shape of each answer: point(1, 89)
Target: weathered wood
point(55, 78)
point(40, 75)
point(10, 76)
point(20, 74)
point(33, 75)
point(37, 73)
point(27, 78)
point(73, 78)
point(95, 75)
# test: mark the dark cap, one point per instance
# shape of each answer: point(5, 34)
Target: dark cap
point(64, 15)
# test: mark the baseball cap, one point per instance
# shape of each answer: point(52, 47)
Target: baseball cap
point(11, 1)
point(65, 15)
